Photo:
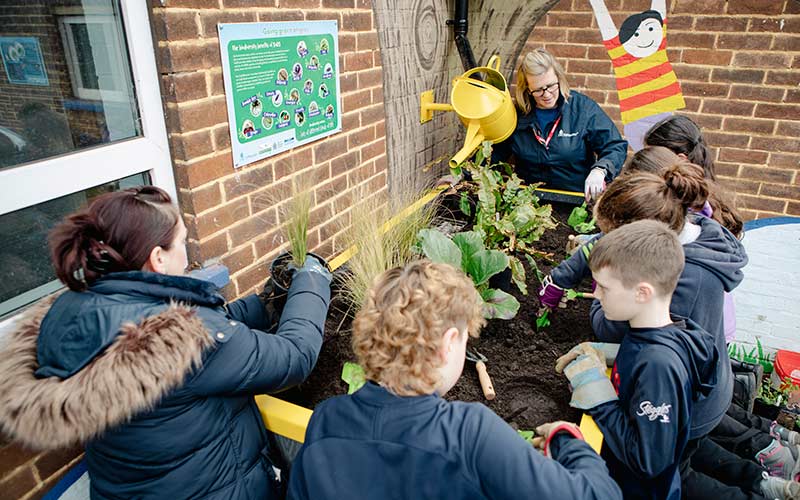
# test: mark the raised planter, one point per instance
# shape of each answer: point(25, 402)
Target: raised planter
point(513, 348)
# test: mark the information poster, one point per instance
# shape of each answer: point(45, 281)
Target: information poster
point(22, 58)
point(281, 84)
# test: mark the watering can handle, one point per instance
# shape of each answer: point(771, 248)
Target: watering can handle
point(494, 61)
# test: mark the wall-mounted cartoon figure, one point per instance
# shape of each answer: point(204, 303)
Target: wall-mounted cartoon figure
point(646, 83)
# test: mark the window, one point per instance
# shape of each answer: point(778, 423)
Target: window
point(25, 270)
point(73, 124)
point(95, 59)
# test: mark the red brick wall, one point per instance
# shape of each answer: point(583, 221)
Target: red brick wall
point(28, 475)
point(738, 62)
point(230, 213)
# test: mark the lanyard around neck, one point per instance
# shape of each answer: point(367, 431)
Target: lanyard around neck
point(546, 142)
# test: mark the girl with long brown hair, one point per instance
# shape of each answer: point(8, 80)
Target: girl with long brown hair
point(683, 137)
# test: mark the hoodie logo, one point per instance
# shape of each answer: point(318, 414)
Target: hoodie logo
point(561, 133)
point(646, 409)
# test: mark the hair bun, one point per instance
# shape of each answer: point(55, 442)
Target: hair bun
point(687, 183)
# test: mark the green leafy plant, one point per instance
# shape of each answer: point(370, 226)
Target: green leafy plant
point(466, 251)
point(578, 220)
point(777, 397)
point(353, 374)
point(508, 216)
point(753, 355)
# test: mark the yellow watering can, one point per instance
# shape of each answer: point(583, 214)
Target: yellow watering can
point(483, 106)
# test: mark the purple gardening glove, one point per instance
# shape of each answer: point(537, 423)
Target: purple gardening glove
point(550, 294)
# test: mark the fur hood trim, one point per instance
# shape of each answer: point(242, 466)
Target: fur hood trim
point(141, 365)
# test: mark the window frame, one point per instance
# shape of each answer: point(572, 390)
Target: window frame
point(29, 184)
point(50, 178)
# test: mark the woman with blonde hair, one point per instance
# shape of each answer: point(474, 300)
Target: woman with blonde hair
point(563, 138)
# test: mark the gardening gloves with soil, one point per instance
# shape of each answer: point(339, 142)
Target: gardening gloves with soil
point(546, 432)
point(550, 294)
point(607, 352)
point(595, 183)
point(273, 300)
point(585, 367)
point(312, 265)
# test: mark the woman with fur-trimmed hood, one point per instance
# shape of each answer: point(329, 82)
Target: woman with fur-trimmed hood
point(149, 368)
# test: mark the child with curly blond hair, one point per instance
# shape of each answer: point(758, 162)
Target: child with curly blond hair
point(397, 438)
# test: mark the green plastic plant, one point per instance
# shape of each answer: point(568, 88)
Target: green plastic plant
point(578, 220)
point(507, 216)
point(753, 355)
point(353, 374)
point(466, 251)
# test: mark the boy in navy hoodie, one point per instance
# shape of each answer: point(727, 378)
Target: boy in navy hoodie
point(664, 366)
point(661, 365)
point(397, 438)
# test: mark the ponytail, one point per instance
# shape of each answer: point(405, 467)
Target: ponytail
point(116, 232)
point(687, 184)
point(644, 195)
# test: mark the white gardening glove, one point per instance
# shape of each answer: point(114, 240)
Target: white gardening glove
point(595, 183)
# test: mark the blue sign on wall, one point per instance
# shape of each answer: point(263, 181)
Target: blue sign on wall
point(23, 62)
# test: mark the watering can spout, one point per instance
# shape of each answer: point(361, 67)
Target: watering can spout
point(473, 140)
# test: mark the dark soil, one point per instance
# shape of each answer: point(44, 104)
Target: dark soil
point(520, 359)
point(280, 273)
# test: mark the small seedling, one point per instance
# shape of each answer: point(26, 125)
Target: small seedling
point(543, 320)
point(353, 374)
point(526, 434)
point(578, 220)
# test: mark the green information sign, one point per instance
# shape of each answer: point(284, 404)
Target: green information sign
point(281, 84)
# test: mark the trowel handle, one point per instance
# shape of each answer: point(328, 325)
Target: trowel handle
point(486, 382)
point(494, 63)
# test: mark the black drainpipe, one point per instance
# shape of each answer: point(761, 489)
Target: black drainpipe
point(460, 27)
